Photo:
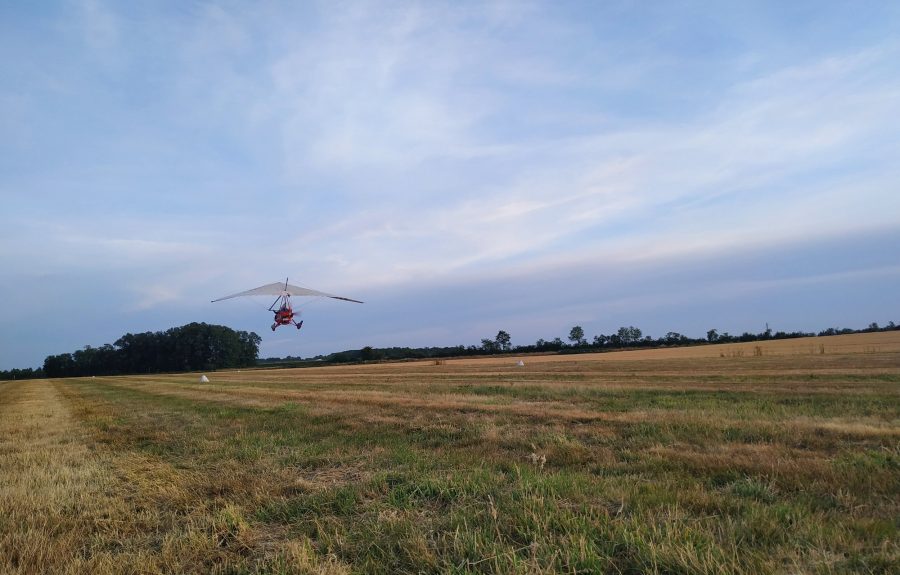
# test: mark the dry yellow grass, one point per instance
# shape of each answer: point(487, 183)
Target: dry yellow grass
point(71, 505)
point(54, 490)
point(691, 460)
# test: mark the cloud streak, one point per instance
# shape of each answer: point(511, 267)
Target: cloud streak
point(393, 148)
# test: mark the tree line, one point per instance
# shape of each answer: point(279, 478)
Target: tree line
point(191, 347)
point(633, 337)
point(626, 337)
point(199, 346)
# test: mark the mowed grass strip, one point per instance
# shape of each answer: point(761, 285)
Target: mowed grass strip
point(46, 476)
point(67, 507)
point(70, 502)
point(482, 479)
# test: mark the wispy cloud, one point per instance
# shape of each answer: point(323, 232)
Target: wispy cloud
point(100, 28)
point(391, 147)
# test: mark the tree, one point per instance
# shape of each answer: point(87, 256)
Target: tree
point(195, 346)
point(673, 337)
point(61, 365)
point(488, 345)
point(502, 341)
point(576, 336)
point(629, 335)
point(636, 334)
point(712, 336)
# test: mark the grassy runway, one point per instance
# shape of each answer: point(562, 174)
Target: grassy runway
point(781, 457)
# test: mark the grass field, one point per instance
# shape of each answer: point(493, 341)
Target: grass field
point(782, 457)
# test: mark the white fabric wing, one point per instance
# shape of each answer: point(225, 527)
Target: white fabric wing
point(279, 288)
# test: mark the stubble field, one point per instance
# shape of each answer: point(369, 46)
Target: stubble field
point(781, 457)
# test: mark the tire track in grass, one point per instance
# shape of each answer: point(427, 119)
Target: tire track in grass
point(71, 504)
point(54, 490)
point(199, 512)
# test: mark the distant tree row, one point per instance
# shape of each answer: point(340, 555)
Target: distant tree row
point(633, 337)
point(624, 337)
point(191, 347)
point(21, 374)
point(198, 346)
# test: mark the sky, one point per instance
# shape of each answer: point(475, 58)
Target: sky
point(462, 167)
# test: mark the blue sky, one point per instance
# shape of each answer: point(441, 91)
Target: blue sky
point(463, 167)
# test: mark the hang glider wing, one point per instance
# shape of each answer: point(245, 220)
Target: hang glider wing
point(279, 288)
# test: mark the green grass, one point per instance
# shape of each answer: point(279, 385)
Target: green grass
point(757, 478)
